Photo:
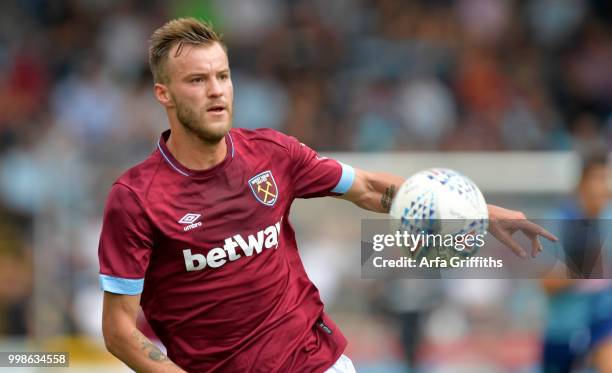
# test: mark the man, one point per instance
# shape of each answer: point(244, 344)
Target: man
point(579, 323)
point(198, 234)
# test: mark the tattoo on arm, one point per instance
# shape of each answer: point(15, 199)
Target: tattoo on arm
point(152, 350)
point(387, 197)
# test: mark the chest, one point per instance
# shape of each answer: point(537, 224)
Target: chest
point(243, 199)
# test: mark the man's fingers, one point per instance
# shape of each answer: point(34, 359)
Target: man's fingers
point(507, 240)
point(532, 228)
point(536, 246)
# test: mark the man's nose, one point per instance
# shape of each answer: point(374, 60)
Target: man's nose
point(214, 88)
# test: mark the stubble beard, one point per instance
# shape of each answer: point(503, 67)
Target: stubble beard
point(196, 124)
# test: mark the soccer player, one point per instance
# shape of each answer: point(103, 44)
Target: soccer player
point(579, 323)
point(199, 235)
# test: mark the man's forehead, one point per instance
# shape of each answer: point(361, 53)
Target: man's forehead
point(200, 57)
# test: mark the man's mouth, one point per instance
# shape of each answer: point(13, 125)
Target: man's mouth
point(216, 108)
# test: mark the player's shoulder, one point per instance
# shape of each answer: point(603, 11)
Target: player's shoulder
point(264, 137)
point(138, 178)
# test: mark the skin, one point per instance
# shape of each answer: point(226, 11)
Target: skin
point(602, 357)
point(198, 79)
point(593, 191)
point(123, 339)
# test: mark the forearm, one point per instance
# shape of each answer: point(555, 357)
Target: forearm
point(138, 352)
point(374, 191)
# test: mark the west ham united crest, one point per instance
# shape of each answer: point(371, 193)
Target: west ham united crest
point(264, 188)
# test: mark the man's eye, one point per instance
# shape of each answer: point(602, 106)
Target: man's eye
point(197, 80)
point(224, 77)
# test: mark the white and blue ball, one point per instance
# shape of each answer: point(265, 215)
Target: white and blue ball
point(440, 201)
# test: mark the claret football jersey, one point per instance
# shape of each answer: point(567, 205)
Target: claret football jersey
point(215, 259)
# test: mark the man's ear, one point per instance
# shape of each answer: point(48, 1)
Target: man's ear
point(163, 95)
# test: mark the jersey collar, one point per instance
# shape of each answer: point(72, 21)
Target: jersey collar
point(179, 168)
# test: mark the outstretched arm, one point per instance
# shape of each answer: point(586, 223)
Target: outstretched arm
point(375, 191)
point(125, 341)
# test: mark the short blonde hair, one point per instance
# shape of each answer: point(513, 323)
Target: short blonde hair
point(181, 31)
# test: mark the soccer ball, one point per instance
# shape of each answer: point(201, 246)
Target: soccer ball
point(440, 201)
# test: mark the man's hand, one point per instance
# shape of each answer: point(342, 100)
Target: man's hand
point(503, 223)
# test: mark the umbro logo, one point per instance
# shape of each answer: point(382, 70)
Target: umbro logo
point(191, 220)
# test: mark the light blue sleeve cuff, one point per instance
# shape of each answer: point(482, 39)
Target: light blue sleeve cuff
point(120, 285)
point(346, 180)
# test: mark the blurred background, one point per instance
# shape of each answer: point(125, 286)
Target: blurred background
point(516, 94)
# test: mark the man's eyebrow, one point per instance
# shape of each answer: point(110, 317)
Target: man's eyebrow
point(200, 73)
point(206, 73)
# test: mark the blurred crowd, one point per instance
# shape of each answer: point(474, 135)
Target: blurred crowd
point(349, 75)
point(77, 107)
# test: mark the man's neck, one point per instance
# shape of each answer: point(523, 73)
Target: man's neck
point(193, 153)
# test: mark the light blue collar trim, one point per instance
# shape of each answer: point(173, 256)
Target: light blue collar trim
point(169, 161)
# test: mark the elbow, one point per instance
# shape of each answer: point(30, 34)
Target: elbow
point(109, 339)
point(112, 337)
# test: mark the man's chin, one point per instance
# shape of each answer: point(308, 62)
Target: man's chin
point(220, 129)
point(214, 133)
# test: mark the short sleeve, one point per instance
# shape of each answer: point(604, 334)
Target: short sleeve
point(125, 243)
point(316, 176)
